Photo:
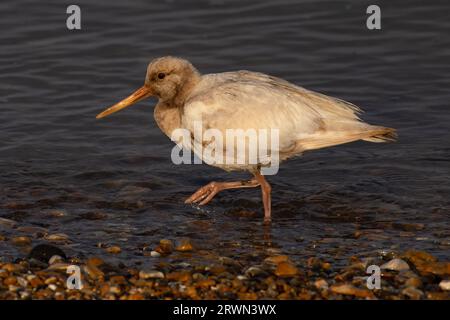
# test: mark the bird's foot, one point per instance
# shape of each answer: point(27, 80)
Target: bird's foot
point(205, 194)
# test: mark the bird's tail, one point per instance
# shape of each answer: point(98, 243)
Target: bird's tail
point(348, 133)
point(381, 134)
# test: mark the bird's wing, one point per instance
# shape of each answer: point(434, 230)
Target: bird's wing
point(249, 100)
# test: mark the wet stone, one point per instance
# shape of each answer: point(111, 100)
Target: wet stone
point(276, 259)
point(151, 274)
point(444, 285)
point(184, 245)
point(348, 289)
point(114, 250)
point(286, 269)
point(321, 284)
point(165, 246)
point(412, 293)
point(55, 259)
point(396, 265)
point(255, 271)
point(21, 241)
point(43, 252)
point(57, 237)
point(7, 223)
point(57, 213)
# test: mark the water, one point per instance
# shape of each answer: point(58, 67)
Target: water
point(114, 179)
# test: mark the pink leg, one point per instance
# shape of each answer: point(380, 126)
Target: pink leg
point(266, 197)
point(206, 193)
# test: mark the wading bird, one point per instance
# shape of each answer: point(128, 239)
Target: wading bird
point(305, 120)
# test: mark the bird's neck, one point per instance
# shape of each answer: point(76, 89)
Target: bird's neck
point(185, 91)
point(167, 117)
point(168, 113)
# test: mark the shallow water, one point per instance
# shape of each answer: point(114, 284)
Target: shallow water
point(115, 181)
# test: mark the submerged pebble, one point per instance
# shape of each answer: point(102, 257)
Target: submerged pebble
point(21, 241)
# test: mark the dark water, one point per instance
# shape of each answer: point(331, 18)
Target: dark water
point(114, 178)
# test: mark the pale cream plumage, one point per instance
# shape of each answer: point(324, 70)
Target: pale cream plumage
point(306, 120)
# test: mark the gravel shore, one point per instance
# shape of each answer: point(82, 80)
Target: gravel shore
point(42, 274)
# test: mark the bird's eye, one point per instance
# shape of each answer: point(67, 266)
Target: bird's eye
point(161, 75)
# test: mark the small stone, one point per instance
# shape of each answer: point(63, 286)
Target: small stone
point(413, 282)
point(21, 241)
point(57, 213)
point(165, 246)
point(57, 237)
point(58, 266)
point(206, 283)
point(348, 289)
point(95, 262)
point(7, 223)
point(151, 274)
point(55, 259)
point(155, 254)
point(247, 296)
point(114, 250)
point(44, 252)
point(12, 267)
point(10, 281)
point(433, 295)
point(136, 296)
point(276, 259)
point(185, 245)
point(418, 256)
point(286, 269)
point(321, 284)
point(444, 285)
point(254, 272)
point(181, 276)
point(412, 293)
point(52, 287)
point(396, 265)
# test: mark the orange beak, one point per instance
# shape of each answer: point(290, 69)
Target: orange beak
point(138, 95)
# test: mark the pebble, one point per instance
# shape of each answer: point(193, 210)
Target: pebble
point(44, 252)
point(165, 246)
point(114, 250)
point(444, 285)
point(254, 271)
point(396, 265)
point(57, 237)
point(57, 213)
point(321, 284)
point(286, 269)
point(185, 245)
point(412, 293)
point(55, 259)
point(21, 241)
point(348, 289)
point(7, 222)
point(276, 259)
point(155, 254)
point(413, 282)
point(151, 274)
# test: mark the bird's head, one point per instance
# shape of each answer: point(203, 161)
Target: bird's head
point(168, 78)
